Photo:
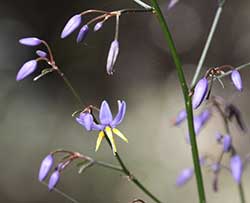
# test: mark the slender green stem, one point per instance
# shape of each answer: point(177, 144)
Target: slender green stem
point(241, 191)
point(187, 98)
point(107, 165)
point(208, 43)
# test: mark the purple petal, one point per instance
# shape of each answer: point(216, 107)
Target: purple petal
point(71, 25)
point(40, 53)
point(54, 179)
point(227, 141)
point(30, 41)
point(98, 26)
point(182, 115)
point(120, 115)
point(82, 34)
point(27, 68)
point(105, 114)
point(112, 56)
point(204, 116)
point(236, 166)
point(98, 127)
point(45, 167)
point(184, 176)
point(200, 92)
point(236, 78)
point(86, 120)
point(172, 3)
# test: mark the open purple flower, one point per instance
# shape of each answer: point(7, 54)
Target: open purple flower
point(30, 41)
point(236, 78)
point(112, 56)
point(200, 92)
point(45, 167)
point(54, 179)
point(236, 166)
point(82, 34)
point(27, 68)
point(71, 25)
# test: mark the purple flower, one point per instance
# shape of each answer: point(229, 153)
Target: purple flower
point(30, 41)
point(82, 34)
point(236, 166)
point(112, 56)
point(236, 78)
point(98, 26)
point(86, 120)
point(27, 68)
point(227, 141)
point(41, 53)
point(54, 179)
point(182, 115)
point(71, 25)
point(45, 167)
point(200, 92)
point(184, 176)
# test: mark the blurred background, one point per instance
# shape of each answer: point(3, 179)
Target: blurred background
point(35, 117)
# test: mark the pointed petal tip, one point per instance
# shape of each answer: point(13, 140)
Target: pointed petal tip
point(72, 24)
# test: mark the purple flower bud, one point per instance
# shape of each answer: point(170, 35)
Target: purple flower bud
point(98, 26)
point(71, 25)
point(184, 176)
point(182, 115)
point(83, 33)
point(41, 53)
point(227, 141)
point(200, 92)
point(236, 166)
point(236, 78)
point(86, 120)
point(112, 56)
point(45, 167)
point(27, 68)
point(204, 116)
point(172, 3)
point(30, 41)
point(54, 179)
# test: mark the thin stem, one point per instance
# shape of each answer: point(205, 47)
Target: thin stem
point(187, 98)
point(241, 191)
point(107, 165)
point(142, 4)
point(207, 45)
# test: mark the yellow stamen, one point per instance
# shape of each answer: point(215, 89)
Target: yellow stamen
point(119, 134)
point(99, 140)
point(111, 139)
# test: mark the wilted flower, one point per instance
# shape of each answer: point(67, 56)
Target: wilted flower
point(30, 41)
point(236, 166)
point(182, 115)
point(40, 53)
point(112, 56)
point(45, 167)
point(86, 120)
point(184, 176)
point(54, 179)
point(200, 92)
point(227, 141)
point(83, 33)
point(27, 68)
point(71, 25)
point(236, 78)
point(98, 26)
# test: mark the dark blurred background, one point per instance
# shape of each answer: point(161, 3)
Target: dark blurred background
point(35, 117)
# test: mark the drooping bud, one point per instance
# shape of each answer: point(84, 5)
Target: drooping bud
point(236, 78)
point(200, 92)
point(112, 56)
point(30, 41)
point(40, 53)
point(45, 167)
point(227, 141)
point(82, 34)
point(86, 120)
point(236, 166)
point(54, 179)
point(71, 25)
point(27, 68)
point(98, 26)
point(184, 176)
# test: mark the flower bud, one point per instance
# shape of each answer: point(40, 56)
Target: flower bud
point(82, 34)
point(45, 167)
point(54, 179)
point(71, 25)
point(182, 115)
point(40, 53)
point(30, 41)
point(172, 3)
point(200, 92)
point(27, 68)
point(112, 56)
point(236, 166)
point(236, 78)
point(227, 141)
point(184, 176)
point(98, 26)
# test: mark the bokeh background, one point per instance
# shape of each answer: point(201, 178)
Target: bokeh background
point(35, 117)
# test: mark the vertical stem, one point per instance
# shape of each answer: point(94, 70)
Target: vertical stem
point(241, 191)
point(187, 98)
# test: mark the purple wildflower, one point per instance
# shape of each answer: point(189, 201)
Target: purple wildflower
point(54, 179)
point(45, 167)
point(98, 26)
point(86, 120)
point(112, 56)
point(27, 68)
point(71, 25)
point(82, 34)
point(236, 166)
point(200, 92)
point(182, 115)
point(40, 53)
point(184, 176)
point(30, 41)
point(227, 141)
point(236, 78)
